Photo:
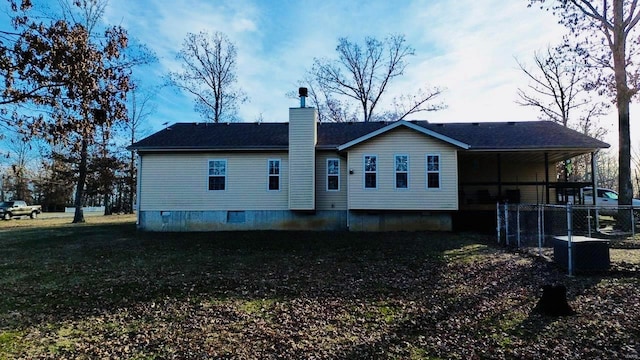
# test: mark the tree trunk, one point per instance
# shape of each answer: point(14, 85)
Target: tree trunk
point(637, 179)
point(554, 301)
point(625, 187)
point(624, 180)
point(82, 177)
point(623, 98)
point(107, 202)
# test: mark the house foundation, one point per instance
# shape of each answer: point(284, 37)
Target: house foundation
point(328, 220)
point(223, 220)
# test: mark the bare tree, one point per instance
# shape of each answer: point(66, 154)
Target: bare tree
point(362, 73)
point(607, 170)
point(20, 171)
point(209, 74)
point(140, 108)
point(3, 180)
point(562, 93)
point(85, 12)
point(608, 39)
point(55, 180)
point(588, 125)
point(635, 160)
point(407, 104)
point(330, 109)
point(555, 86)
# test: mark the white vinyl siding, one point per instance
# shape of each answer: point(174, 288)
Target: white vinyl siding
point(330, 199)
point(302, 152)
point(180, 182)
point(416, 197)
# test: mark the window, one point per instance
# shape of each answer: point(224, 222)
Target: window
point(274, 174)
point(607, 194)
point(370, 172)
point(402, 171)
point(235, 217)
point(333, 174)
point(217, 174)
point(433, 171)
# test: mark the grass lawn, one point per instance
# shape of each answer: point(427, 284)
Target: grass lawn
point(102, 290)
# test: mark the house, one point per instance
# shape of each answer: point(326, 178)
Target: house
point(375, 176)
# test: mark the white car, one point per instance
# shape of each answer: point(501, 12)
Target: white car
point(606, 200)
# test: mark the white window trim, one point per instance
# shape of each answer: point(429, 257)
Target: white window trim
point(395, 172)
point(269, 175)
point(427, 172)
point(338, 175)
point(226, 171)
point(364, 172)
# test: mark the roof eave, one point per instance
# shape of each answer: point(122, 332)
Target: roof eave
point(532, 148)
point(327, 147)
point(205, 148)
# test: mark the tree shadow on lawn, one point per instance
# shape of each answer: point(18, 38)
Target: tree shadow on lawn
point(463, 319)
point(253, 294)
point(468, 312)
point(64, 273)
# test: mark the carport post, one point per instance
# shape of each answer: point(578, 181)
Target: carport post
point(498, 221)
point(569, 240)
point(546, 177)
point(594, 187)
point(589, 217)
point(518, 224)
point(633, 224)
point(540, 234)
point(506, 224)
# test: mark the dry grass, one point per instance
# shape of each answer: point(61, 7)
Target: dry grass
point(104, 290)
point(66, 220)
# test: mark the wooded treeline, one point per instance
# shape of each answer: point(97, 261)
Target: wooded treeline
point(65, 106)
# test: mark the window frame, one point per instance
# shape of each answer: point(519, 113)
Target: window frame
point(608, 194)
point(396, 172)
point(365, 172)
point(270, 175)
point(328, 175)
point(224, 176)
point(439, 171)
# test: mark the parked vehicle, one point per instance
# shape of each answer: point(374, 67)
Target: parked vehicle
point(16, 208)
point(606, 200)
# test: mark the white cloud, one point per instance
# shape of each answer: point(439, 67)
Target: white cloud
point(473, 48)
point(465, 46)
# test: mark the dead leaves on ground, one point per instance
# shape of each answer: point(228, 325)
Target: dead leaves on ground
point(402, 299)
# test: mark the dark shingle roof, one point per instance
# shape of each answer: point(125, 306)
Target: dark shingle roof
point(516, 135)
point(221, 136)
point(254, 136)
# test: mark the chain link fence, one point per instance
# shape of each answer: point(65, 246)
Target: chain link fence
point(578, 237)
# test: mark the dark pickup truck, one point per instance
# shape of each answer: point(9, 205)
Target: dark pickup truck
point(15, 208)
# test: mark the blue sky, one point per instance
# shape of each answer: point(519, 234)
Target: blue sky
point(465, 46)
point(468, 47)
